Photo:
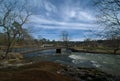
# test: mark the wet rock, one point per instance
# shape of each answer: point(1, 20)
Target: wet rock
point(86, 74)
point(89, 78)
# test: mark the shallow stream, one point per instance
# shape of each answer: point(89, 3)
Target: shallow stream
point(106, 62)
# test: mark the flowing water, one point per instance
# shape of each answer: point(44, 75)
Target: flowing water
point(105, 62)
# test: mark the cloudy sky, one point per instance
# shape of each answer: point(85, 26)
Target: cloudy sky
point(51, 17)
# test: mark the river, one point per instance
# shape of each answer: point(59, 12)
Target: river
point(105, 62)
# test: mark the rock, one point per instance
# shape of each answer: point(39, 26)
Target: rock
point(11, 60)
point(89, 79)
point(85, 74)
point(15, 56)
point(58, 72)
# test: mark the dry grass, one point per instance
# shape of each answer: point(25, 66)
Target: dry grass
point(102, 50)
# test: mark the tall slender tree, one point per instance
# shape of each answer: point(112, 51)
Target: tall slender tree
point(65, 38)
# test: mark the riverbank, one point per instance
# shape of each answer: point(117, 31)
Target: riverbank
point(96, 51)
point(52, 71)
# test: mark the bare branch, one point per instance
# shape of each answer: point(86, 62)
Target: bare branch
point(13, 17)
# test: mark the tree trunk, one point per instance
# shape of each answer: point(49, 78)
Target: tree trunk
point(7, 51)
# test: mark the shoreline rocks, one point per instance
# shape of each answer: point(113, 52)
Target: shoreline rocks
point(74, 73)
point(87, 74)
point(13, 60)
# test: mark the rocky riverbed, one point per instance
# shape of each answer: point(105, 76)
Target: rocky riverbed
point(52, 71)
point(87, 74)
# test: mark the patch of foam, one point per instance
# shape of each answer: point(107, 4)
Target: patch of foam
point(77, 61)
point(95, 63)
point(76, 57)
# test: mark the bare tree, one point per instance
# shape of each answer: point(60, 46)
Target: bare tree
point(109, 18)
point(13, 15)
point(65, 37)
